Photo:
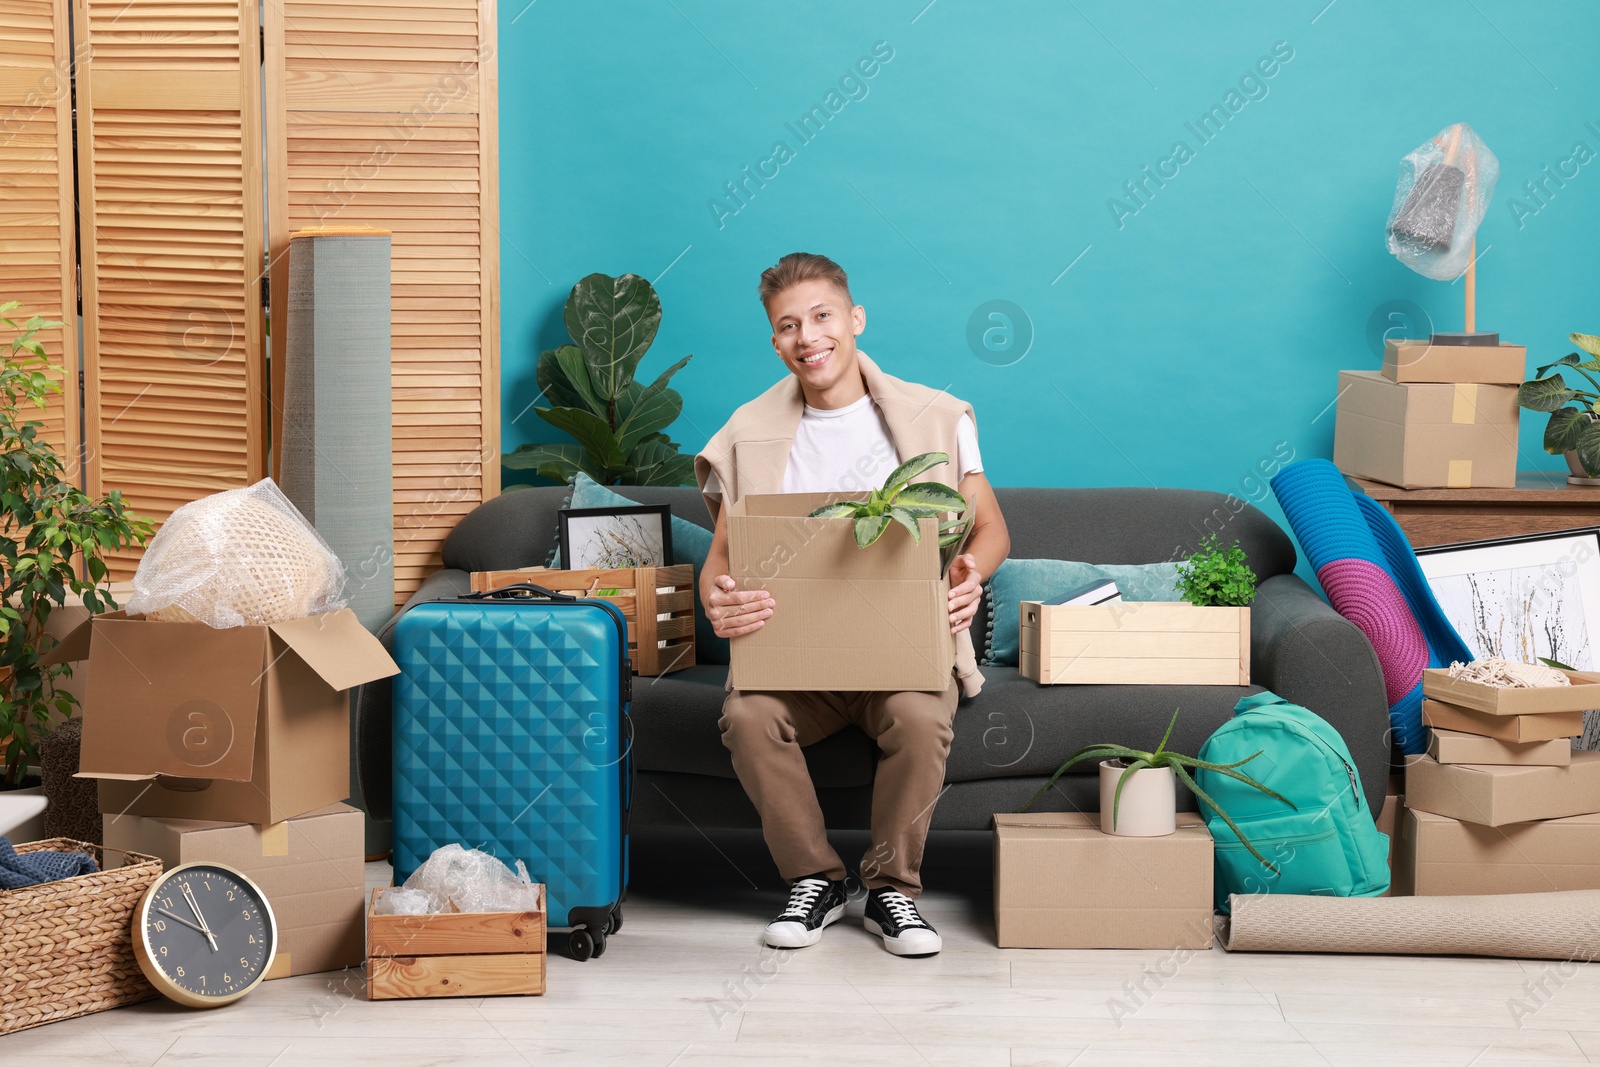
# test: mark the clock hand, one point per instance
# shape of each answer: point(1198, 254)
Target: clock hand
point(180, 919)
point(195, 907)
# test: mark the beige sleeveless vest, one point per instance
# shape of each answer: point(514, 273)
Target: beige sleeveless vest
point(750, 454)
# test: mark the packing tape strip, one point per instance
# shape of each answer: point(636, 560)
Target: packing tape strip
point(1459, 475)
point(282, 966)
point(275, 839)
point(1465, 405)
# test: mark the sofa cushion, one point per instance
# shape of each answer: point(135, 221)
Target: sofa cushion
point(1044, 579)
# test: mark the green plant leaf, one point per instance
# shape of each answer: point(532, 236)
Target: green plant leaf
point(554, 386)
point(948, 539)
point(613, 321)
point(1586, 341)
point(1162, 747)
point(909, 521)
point(1587, 444)
point(1095, 752)
point(843, 509)
point(931, 494)
point(558, 462)
point(1544, 394)
point(657, 461)
point(589, 430)
point(869, 528)
point(1561, 432)
point(912, 467)
point(655, 409)
point(1556, 664)
point(1205, 799)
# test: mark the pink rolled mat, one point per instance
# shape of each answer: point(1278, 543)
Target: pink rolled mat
point(1536, 926)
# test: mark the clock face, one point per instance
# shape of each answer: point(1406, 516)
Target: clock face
point(207, 934)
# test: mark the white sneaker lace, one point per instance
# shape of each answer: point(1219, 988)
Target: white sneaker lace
point(901, 908)
point(802, 895)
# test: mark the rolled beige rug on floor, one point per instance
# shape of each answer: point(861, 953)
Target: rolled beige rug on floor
point(1533, 926)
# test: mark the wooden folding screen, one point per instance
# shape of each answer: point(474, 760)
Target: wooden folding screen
point(170, 202)
point(382, 113)
point(38, 261)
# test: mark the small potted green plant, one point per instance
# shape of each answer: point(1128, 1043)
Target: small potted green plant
point(53, 537)
point(1574, 426)
point(1215, 577)
point(906, 503)
point(1138, 797)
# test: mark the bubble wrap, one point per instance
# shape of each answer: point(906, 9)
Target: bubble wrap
point(464, 879)
point(1445, 188)
point(245, 557)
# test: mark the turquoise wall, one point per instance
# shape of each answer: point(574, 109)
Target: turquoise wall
point(1187, 342)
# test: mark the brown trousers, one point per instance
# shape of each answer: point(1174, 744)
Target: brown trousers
point(765, 733)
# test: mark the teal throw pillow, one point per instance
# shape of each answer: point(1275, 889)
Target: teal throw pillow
point(1044, 579)
point(691, 543)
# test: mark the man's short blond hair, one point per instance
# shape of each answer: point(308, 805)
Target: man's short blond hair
point(797, 267)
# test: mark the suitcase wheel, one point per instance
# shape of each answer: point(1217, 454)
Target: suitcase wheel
point(616, 920)
point(599, 944)
point(582, 945)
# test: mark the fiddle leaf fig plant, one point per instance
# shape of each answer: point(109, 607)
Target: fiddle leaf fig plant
point(1574, 424)
point(1133, 760)
point(616, 423)
point(1217, 577)
point(902, 502)
point(46, 524)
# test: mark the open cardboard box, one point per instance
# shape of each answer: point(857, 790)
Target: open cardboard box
point(847, 619)
point(247, 724)
point(1582, 695)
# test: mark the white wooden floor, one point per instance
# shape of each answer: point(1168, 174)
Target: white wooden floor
point(668, 992)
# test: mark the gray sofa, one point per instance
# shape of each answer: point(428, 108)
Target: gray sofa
point(1012, 736)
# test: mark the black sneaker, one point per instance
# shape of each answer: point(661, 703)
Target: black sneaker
point(814, 902)
point(893, 916)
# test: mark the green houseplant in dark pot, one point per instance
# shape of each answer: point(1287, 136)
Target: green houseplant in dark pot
point(53, 537)
point(1573, 429)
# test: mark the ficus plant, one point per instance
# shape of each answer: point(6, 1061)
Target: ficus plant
point(1574, 424)
point(1132, 760)
point(616, 422)
point(902, 501)
point(53, 537)
point(1216, 577)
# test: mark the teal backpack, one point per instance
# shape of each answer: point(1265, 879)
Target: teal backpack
point(1327, 844)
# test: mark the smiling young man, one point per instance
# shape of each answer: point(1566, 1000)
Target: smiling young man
point(837, 423)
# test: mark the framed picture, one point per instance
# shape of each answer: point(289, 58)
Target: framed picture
point(1525, 598)
point(616, 538)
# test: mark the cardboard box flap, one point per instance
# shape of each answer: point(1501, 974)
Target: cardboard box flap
point(75, 646)
point(335, 645)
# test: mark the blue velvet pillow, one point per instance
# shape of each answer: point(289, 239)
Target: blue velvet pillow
point(1044, 579)
point(690, 544)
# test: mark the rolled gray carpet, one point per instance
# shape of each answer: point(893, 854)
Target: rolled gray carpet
point(1534, 926)
point(337, 452)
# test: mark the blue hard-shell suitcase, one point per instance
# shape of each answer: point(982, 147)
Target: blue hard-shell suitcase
point(511, 735)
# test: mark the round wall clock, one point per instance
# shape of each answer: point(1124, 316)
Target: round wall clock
point(204, 934)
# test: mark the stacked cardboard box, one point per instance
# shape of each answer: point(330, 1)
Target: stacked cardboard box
point(1501, 803)
point(232, 746)
point(1436, 416)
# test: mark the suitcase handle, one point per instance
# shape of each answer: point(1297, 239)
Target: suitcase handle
point(519, 591)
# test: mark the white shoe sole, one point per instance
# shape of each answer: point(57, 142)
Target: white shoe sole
point(793, 935)
point(923, 943)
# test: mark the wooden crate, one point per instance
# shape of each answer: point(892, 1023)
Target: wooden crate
point(474, 954)
point(657, 602)
point(1135, 643)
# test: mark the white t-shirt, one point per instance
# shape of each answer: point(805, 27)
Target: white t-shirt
point(849, 450)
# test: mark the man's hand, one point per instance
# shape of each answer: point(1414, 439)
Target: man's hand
point(733, 613)
point(966, 586)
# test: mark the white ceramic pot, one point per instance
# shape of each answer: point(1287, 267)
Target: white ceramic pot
point(22, 814)
point(1149, 806)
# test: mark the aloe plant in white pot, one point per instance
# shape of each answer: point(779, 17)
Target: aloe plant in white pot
point(1138, 797)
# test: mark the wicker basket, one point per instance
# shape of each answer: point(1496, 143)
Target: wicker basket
point(66, 947)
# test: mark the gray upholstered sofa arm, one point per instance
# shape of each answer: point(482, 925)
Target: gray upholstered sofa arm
point(1309, 654)
point(371, 714)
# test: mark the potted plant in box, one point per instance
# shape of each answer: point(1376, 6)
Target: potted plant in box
point(1138, 797)
point(53, 537)
point(1217, 577)
point(1574, 426)
point(907, 504)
